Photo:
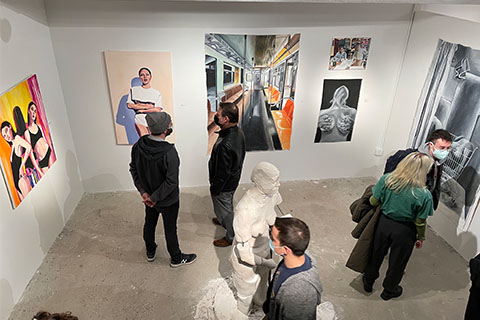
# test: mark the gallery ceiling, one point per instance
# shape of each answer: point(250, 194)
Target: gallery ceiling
point(199, 13)
point(293, 1)
point(150, 13)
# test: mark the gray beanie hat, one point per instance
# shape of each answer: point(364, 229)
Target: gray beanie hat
point(158, 122)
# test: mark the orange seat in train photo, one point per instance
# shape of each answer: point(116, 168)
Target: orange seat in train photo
point(272, 94)
point(283, 121)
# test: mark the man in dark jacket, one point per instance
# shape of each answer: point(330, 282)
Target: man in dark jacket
point(154, 169)
point(437, 146)
point(225, 168)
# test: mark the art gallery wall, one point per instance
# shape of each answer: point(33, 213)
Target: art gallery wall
point(427, 28)
point(81, 34)
point(27, 232)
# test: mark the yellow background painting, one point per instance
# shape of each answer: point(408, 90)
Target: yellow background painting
point(20, 95)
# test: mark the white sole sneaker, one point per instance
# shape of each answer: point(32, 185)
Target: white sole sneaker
point(184, 261)
point(152, 258)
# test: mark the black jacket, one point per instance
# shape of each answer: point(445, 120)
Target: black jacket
point(433, 185)
point(154, 169)
point(226, 160)
point(366, 216)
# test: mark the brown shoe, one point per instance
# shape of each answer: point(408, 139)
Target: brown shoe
point(222, 243)
point(216, 222)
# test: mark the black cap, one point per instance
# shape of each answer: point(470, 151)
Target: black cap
point(158, 122)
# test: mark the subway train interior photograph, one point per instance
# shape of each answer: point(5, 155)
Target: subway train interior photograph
point(257, 73)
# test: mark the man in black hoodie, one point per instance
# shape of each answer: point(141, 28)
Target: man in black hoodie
point(154, 169)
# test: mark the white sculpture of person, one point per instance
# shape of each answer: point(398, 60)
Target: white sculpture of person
point(251, 258)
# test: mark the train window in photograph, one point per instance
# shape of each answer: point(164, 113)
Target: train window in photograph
point(228, 74)
point(211, 71)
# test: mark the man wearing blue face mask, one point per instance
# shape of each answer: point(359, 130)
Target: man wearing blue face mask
point(437, 146)
point(295, 290)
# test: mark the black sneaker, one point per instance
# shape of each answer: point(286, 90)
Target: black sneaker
point(184, 260)
point(151, 255)
point(387, 295)
point(368, 287)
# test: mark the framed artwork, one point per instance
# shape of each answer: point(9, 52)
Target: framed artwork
point(450, 100)
point(338, 110)
point(349, 53)
point(139, 82)
point(258, 74)
point(26, 150)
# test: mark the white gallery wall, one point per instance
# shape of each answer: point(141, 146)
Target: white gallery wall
point(82, 31)
point(27, 232)
point(427, 29)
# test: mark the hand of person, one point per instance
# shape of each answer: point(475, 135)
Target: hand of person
point(147, 201)
point(139, 105)
point(147, 105)
point(419, 244)
point(345, 124)
point(326, 122)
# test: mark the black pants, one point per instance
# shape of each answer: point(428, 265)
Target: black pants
point(400, 238)
point(169, 216)
point(473, 306)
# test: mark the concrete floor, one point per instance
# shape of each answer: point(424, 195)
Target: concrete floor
point(97, 269)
